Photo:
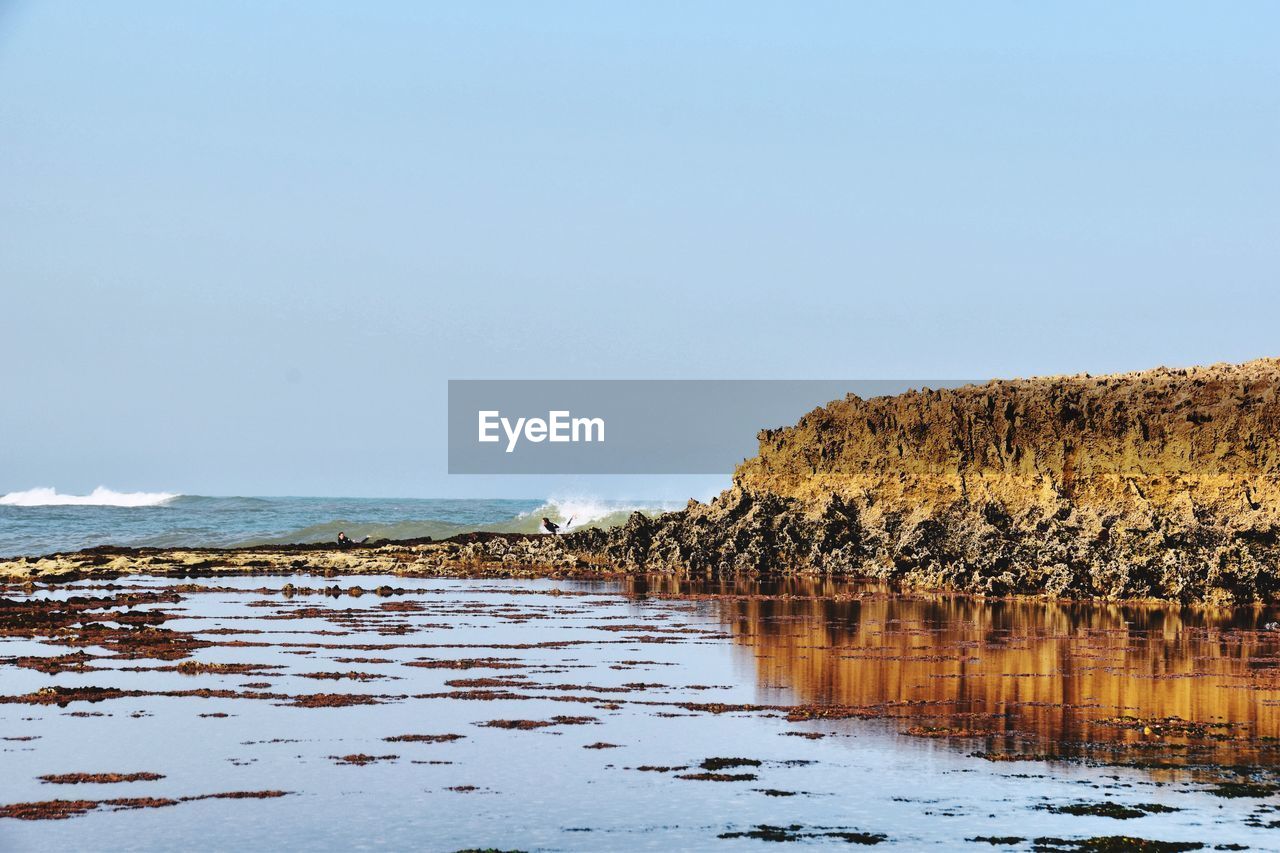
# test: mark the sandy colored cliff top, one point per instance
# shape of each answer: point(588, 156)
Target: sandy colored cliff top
point(1207, 434)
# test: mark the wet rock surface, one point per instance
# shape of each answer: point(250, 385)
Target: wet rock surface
point(474, 555)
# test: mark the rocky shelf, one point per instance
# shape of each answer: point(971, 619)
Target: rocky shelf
point(1162, 484)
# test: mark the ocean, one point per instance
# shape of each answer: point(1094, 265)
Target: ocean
point(43, 521)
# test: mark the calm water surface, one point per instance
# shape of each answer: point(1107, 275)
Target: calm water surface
point(587, 711)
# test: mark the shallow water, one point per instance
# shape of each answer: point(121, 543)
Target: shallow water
point(911, 721)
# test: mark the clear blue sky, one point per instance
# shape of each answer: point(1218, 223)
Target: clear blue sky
point(243, 245)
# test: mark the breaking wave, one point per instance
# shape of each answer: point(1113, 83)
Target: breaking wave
point(571, 513)
point(589, 512)
point(44, 521)
point(100, 496)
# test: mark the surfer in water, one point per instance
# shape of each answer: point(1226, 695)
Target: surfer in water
point(344, 540)
point(553, 528)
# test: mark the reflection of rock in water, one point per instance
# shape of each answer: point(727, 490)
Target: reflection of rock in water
point(1032, 676)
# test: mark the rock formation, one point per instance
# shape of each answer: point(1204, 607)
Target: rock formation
point(1158, 484)
point(1163, 484)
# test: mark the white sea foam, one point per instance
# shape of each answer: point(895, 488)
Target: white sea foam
point(584, 511)
point(101, 496)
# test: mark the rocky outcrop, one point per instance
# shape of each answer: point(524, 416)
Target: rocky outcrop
point(1163, 484)
point(1159, 484)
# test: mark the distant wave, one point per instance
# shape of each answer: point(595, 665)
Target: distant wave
point(100, 496)
point(583, 512)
